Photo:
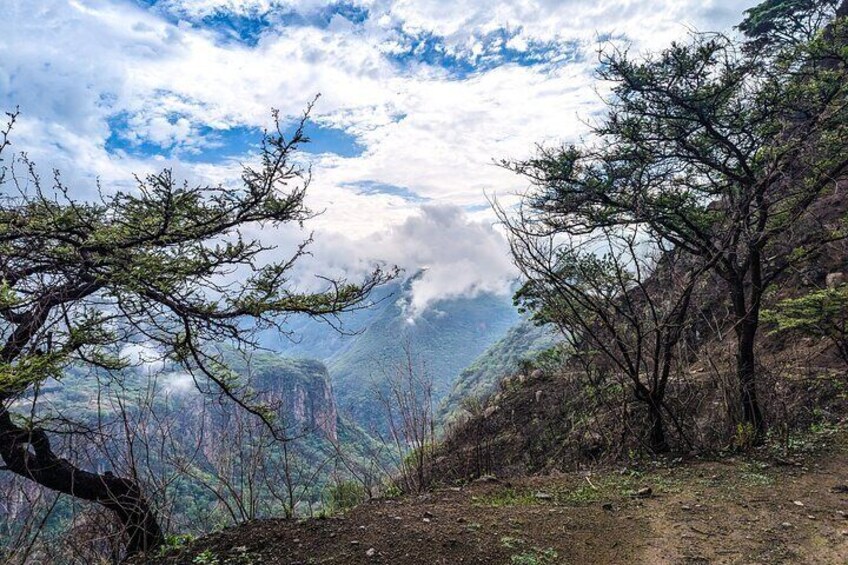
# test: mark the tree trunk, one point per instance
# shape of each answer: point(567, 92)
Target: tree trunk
point(746, 373)
point(28, 454)
point(658, 442)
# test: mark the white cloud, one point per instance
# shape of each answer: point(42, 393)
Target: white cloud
point(177, 382)
point(461, 255)
point(143, 358)
point(75, 66)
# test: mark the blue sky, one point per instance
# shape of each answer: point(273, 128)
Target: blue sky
point(418, 97)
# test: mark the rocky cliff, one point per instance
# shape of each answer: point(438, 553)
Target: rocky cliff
point(302, 389)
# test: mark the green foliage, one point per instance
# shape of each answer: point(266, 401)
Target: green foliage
point(821, 313)
point(535, 556)
point(174, 542)
point(148, 264)
point(206, 557)
point(785, 21)
point(745, 437)
point(345, 495)
point(520, 349)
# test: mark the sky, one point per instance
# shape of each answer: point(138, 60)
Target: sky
point(418, 100)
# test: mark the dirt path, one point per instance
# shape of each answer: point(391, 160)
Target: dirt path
point(741, 513)
point(733, 511)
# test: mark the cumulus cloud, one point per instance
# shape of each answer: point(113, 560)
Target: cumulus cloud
point(432, 91)
point(459, 255)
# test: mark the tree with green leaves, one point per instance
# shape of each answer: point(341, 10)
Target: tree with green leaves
point(721, 151)
point(166, 265)
point(787, 22)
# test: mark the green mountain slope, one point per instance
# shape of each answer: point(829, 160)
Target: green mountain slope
point(444, 339)
point(524, 341)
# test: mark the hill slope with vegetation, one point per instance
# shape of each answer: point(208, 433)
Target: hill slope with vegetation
point(521, 345)
point(744, 509)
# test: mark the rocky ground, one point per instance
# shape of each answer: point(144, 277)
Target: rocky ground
point(762, 508)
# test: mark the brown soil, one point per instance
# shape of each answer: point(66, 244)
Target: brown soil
point(736, 510)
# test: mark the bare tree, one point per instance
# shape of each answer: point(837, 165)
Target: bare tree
point(619, 298)
point(406, 395)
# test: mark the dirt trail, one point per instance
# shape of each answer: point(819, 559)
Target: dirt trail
point(733, 511)
point(740, 513)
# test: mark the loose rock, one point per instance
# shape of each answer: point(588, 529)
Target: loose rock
point(646, 492)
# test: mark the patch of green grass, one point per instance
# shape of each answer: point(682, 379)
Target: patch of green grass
point(752, 474)
point(507, 497)
point(757, 479)
point(583, 494)
point(510, 542)
point(473, 527)
point(535, 557)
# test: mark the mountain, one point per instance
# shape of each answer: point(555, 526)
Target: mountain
point(444, 339)
point(302, 386)
point(217, 455)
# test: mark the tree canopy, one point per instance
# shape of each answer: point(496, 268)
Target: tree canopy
point(718, 150)
point(168, 265)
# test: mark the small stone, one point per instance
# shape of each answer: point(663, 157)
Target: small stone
point(645, 492)
point(543, 496)
point(685, 507)
point(426, 520)
point(428, 514)
point(786, 525)
point(371, 552)
point(354, 542)
point(810, 517)
point(834, 280)
point(844, 532)
point(798, 503)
